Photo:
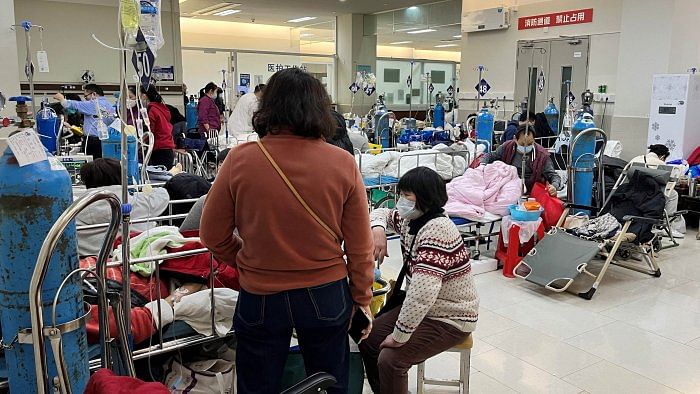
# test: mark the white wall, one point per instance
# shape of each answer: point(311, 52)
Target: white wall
point(9, 82)
point(69, 44)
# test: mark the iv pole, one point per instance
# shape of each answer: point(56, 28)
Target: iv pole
point(542, 51)
point(28, 66)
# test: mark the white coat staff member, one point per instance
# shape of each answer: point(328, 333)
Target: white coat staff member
point(241, 120)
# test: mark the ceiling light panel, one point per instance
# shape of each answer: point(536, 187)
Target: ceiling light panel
point(302, 19)
point(227, 12)
point(400, 42)
point(421, 31)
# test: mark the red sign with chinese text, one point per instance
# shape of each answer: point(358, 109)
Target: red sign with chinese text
point(556, 19)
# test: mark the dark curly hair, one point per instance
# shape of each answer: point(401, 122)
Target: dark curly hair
point(296, 101)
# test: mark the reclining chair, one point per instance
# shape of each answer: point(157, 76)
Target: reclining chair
point(636, 202)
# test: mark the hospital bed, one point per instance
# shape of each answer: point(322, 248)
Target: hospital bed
point(559, 259)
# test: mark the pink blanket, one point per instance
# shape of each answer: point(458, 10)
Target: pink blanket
point(490, 188)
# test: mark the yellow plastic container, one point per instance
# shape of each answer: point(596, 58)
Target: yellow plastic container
point(375, 149)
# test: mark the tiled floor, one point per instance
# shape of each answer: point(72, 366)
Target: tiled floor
point(638, 334)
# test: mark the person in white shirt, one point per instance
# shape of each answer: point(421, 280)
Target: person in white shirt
point(241, 119)
point(657, 157)
point(105, 174)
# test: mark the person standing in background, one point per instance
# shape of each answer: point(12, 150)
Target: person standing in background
point(241, 120)
point(160, 127)
point(94, 104)
point(209, 117)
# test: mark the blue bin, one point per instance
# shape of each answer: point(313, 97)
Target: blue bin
point(524, 216)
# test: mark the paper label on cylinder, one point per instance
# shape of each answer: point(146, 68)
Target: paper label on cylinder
point(56, 164)
point(27, 148)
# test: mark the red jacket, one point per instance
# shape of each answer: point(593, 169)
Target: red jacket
point(105, 381)
point(159, 117)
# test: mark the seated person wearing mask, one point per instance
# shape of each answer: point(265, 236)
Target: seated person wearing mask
point(441, 305)
point(538, 164)
point(657, 156)
point(105, 174)
point(513, 125)
point(241, 119)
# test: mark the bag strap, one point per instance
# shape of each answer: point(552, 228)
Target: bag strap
point(296, 193)
point(404, 267)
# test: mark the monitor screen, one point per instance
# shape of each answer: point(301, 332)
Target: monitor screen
point(437, 76)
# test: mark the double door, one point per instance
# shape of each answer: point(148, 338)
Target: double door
point(564, 65)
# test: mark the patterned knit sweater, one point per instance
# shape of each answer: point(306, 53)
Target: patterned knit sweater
point(440, 285)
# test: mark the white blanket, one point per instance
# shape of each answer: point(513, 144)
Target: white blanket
point(396, 164)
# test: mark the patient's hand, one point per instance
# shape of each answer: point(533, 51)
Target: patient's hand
point(185, 289)
point(552, 190)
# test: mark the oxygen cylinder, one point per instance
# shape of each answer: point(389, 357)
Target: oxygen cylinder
point(382, 130)
point(583, 159)
point(48, 126)
point(484, 128)
point(552, 115)
point(191, 114)
point(439, 112)
point(112, 149)
point(31, 200)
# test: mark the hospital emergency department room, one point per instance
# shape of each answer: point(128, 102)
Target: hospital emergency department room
point(349, 196)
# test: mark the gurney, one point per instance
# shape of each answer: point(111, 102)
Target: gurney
point(557, 260)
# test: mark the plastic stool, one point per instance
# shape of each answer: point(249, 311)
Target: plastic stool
point(465, 350)
point(512, 254)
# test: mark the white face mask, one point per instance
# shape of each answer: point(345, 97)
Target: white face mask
point(407, 209)
point(130, 103)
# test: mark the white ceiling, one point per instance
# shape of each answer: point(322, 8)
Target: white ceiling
point(443, 16)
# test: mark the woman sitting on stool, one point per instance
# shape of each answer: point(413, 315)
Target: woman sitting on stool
point(441, 305)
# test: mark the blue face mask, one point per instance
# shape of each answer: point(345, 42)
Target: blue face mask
point(525, 149)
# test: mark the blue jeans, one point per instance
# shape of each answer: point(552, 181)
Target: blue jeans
point(263, 324)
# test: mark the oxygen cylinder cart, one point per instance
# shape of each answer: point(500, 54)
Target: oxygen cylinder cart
point(439, 112)
point(48, 126)
point(382, 130)
point(112, 149)
point(552, 114)
point(484, 127)
point(32, 198)
point(582, 160)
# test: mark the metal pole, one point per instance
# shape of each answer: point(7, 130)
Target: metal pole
point(126, 215)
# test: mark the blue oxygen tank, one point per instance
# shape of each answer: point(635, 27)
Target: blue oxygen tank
point(191, 114)
point(439, 112)
point(583, 159)
point(484, 128)
point(48, 125)
point(552, 115)
point(112, 149)
point(31, 200)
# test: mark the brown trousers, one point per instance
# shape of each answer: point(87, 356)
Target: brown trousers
point(387, 369)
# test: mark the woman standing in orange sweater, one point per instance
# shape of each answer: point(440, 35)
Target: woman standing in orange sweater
point(300, 206)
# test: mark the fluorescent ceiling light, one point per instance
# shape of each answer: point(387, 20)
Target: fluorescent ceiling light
point(227, 12)
point(446, 45)
point(421, 31)
point(457, 36)
point(306, 35)
point(406, 29)
point(303, 19)
point(412, 8)
point(400, 42)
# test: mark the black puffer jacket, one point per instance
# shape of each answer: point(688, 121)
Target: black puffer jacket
point(341, 139)
point(641, 196)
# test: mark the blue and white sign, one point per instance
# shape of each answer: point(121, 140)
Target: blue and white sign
point(571, 98)
point(143, 62)
point(540, 82)
point(482, 87)
point(370, 89)
point(409, 81)
point(431, 88)
point(451, 90)
point(354, 88)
